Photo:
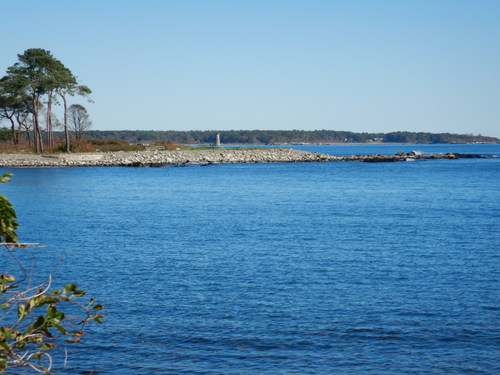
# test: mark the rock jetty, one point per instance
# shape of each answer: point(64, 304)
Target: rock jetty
point(202, 156)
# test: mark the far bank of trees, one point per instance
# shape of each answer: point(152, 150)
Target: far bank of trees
point(28, 92)
point(283, 137)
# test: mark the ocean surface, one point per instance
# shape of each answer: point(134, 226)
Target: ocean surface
point(285, 268)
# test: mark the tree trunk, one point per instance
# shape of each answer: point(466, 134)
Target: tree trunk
point(50, 135)
point(66, 132)
point(36, 128)
point(19, 130)
point(29, 137)
point(15, 136)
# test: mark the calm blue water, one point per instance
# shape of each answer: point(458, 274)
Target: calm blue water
point(300, 268)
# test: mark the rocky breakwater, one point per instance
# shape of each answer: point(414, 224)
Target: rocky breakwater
point(161, 158)
point(410, 156)
point(216, 156)
point(202, 156)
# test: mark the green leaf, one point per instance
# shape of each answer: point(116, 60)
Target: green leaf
point(7, 279)
point(97, 318)
point(47, 345)
point(51, 311)
point(45, 300)
point(5, 346)
point(39, 322)
point(60, 328)
point(5, 177)
point(70, 288)
point(3, 363)
point(79, 293)
point(4, 305)
point(21, 312)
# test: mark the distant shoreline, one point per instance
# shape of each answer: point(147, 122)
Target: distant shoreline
point(202, 157)
point(285, 137)
point(244, 145)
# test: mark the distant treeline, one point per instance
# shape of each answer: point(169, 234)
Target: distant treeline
point(283, 137)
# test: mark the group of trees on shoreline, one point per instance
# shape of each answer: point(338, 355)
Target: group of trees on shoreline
point(31, 87)
point(283, 137)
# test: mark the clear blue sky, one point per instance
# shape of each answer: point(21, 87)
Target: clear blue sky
point(358, 65)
